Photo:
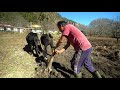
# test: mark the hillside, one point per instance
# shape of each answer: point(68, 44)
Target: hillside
point(47, 20)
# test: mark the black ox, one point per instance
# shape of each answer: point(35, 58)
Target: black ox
point(33, 43)
point(47, 39)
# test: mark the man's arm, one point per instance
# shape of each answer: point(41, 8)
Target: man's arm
point(59, 43)
point(61, 40)
point(67, 45)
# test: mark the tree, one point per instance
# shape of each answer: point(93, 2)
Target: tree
point(101, 27)
point(116, 27)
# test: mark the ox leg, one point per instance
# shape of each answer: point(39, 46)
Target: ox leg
point(52, 47)
point(37, 49)
point(30, 49)
point(45, 52)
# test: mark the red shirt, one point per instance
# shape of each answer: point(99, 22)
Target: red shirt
point(77, 39)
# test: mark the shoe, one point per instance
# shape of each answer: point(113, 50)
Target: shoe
point(96, 74)
point(79, 75)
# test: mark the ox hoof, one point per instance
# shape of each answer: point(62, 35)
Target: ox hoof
point(49, 70)
point(45, 58)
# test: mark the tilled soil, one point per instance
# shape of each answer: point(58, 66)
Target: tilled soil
point(105, 57)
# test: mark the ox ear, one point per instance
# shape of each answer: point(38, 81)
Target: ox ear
point(50, 35)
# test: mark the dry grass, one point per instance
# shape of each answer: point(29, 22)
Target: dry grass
point(14, 62)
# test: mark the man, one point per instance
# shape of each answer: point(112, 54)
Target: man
point(81, 46)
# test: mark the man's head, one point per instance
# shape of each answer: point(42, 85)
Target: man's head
point(61, 25)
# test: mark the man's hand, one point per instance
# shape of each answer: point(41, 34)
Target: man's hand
point(59, 51)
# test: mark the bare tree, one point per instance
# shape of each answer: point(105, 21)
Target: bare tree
point(116, 27)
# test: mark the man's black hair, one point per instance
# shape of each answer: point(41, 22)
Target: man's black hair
point(61, 23)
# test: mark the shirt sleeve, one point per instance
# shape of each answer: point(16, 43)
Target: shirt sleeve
point(66, 31)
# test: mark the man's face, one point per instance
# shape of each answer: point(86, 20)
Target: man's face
point(60, 28)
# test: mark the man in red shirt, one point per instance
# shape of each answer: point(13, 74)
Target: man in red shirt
point(82, 48)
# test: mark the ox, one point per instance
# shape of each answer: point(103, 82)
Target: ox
point(46, 39)
point(33, 41)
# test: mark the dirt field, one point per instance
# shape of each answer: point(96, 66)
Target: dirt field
point(17, 63)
